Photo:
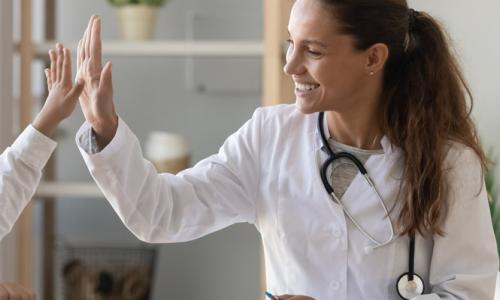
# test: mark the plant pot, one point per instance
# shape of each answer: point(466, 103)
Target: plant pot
point(137, 22)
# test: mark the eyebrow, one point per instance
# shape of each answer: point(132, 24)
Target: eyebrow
point(318, 43)
point(315, 42)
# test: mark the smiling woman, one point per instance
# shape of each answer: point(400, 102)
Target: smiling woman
point(397, 151)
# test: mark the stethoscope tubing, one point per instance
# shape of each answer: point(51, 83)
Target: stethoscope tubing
point(410, 276)
point(324, 177)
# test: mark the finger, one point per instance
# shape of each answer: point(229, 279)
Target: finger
point(66, 72)
point(80, 58)
point(88, 35)
point(106, 77)
point(53, 60)
point(4, 295)
point(47, 76)
point(79, 55)
point(59, 67)
point(95, 43)
point(75, 92)
point(12, 293)
point(24, 293)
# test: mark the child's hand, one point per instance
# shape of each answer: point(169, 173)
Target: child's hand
point(15, 291)
point(63, 96)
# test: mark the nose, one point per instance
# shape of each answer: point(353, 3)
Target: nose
point(294, 64)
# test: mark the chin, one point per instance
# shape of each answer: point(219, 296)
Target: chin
point(306, 108)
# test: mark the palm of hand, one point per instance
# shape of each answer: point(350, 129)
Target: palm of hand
point(96, 99)
point(58, 97)
point(59, 84)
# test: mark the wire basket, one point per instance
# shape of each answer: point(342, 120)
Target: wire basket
point(104, 272)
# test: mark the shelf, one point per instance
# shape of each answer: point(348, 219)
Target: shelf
point(169, 48)
point(69, 190)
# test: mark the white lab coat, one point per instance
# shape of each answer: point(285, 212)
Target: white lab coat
point(21, 169)
point(267, 174)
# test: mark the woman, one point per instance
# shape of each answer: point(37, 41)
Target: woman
point(415, 226)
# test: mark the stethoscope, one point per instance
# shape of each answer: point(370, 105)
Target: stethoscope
point(409, 284)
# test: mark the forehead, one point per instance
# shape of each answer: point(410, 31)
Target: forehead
point(312, 18)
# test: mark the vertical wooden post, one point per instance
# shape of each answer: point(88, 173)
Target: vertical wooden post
point(277, 87)
point(25, 239)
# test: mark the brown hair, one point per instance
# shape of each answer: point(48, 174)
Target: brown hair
point(426, 101)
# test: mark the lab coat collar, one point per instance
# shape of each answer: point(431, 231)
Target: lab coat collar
point(386, 144)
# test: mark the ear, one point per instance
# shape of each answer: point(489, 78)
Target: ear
point(376, 57)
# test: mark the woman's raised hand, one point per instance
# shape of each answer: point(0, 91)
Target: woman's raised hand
point(96, 99)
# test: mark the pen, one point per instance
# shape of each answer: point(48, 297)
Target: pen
point(271, 296)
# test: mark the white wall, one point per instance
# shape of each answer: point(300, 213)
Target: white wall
point(475, 29)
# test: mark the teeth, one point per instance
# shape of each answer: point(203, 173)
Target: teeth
point(305, 87)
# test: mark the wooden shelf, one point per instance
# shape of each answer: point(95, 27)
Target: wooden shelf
point(69, 190)
point(168, 48)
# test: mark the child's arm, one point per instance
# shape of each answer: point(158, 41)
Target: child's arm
point(21, 164)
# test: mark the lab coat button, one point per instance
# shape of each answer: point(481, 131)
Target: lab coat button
point(336, 232)
point(334, 285)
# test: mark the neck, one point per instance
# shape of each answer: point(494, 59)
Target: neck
point(360, 129)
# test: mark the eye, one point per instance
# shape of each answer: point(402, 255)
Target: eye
point(313, 53)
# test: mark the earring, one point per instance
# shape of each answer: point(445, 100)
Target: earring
point(372, 73)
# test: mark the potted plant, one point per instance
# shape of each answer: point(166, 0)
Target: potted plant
point(137, 17)
point(494, 201)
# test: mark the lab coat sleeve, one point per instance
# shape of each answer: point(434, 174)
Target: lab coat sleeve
point(219, 191)
point(21, 169)
point(465, 261)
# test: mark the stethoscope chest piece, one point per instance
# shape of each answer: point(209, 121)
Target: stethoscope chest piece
point(407, 288)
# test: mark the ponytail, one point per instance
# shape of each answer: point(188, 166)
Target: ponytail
point(428, 105)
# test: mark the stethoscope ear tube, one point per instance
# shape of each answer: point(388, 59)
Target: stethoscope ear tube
point(323, 174)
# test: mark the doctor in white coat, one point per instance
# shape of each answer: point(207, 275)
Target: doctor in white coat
point(400, 213)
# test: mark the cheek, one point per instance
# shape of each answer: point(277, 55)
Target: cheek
point(338, 79)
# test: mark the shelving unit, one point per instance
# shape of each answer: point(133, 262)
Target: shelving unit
point(68, 190)
point(276, 88)
point(169, 48)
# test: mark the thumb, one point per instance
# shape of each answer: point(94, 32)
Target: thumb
point(77, 89)
point(106, 77)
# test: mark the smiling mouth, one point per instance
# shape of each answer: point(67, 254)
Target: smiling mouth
point(305, 87)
